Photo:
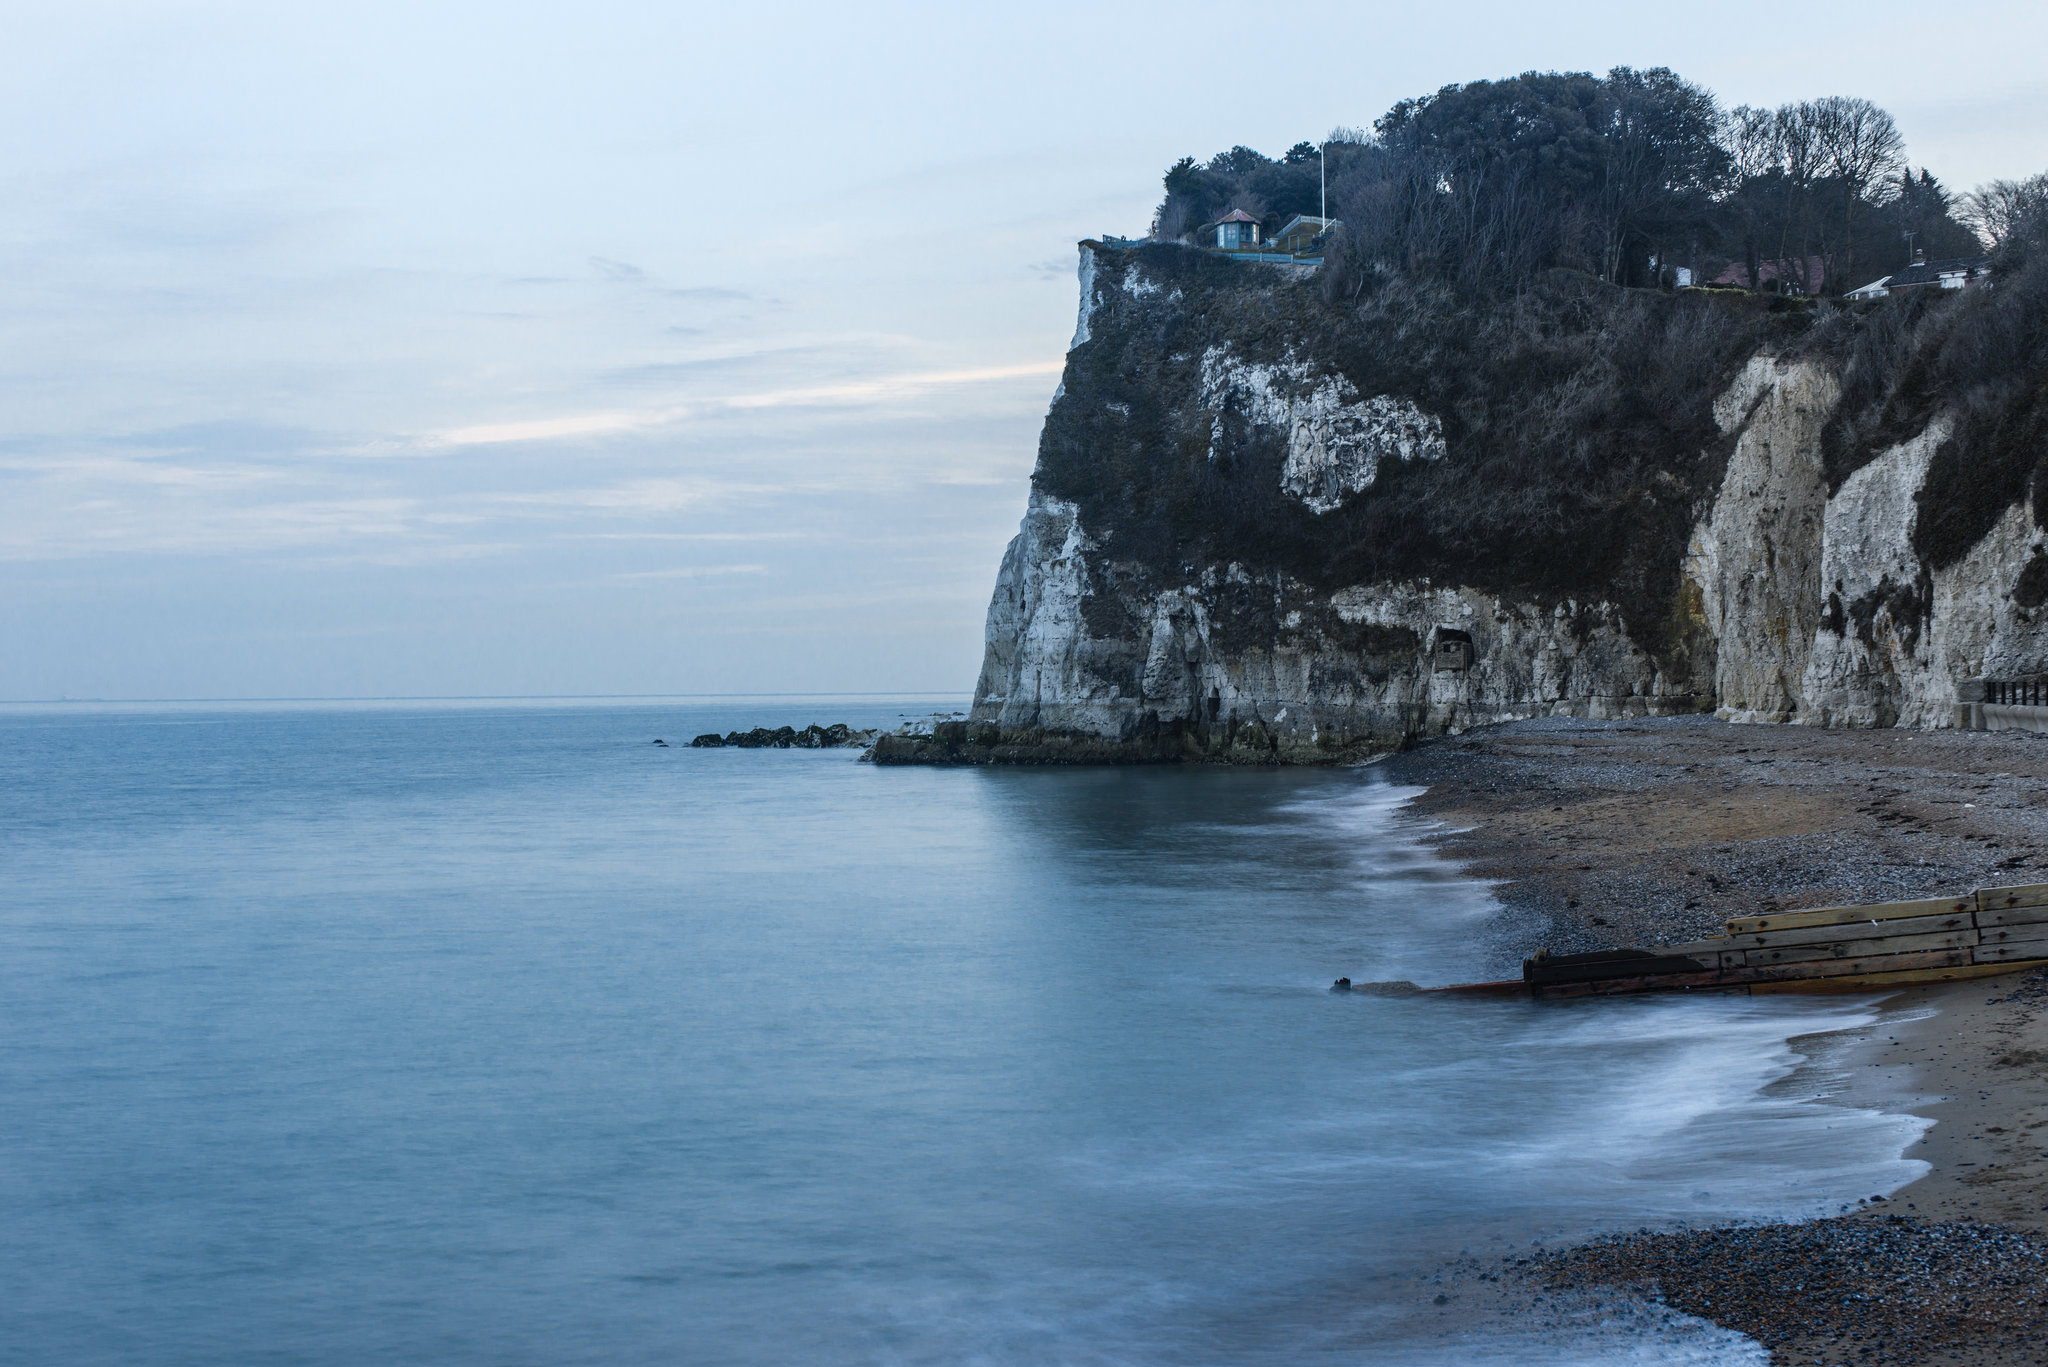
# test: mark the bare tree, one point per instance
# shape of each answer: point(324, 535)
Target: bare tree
point(1859, 141)
point(1800, 147)
point(2003, 207)
point(1172, 223)
point(1751, 136)
point(1860, 148)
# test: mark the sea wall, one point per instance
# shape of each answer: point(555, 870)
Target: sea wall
point(1792, 602)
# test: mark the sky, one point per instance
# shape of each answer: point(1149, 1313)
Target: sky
point(450, 349)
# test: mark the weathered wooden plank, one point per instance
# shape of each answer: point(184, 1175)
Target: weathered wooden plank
point(1836, 968)
point(1834, 916)
point(2000, 935)
point(1694, 947)
point(2012, 950)
point(2013, 916)
point(2020, 895)
point(1719, 952)
point(1836, 975)
point(1613, 987)
point(1859, 949)
point(1863, 930)
point(1608, 963)
point(1870, 982)
point(1514, 987)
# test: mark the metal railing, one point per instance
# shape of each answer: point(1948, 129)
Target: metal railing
point(2019, 704)
point(2016, 692)
point(2031, 691)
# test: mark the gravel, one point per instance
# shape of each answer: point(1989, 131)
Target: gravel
point(1888, 1289)
point(1603, 834)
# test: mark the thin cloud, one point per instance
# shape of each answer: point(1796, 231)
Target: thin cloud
point(850, 393)
point(695, 572)
point(666, 495)
point(692, 536)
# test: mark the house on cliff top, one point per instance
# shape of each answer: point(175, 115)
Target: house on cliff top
point(1957, 273)
point(1237, 234)
point(1301, 233)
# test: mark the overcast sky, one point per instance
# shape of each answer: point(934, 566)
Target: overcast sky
point(457, 349)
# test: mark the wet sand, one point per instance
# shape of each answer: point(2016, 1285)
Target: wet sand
point(1604, 834)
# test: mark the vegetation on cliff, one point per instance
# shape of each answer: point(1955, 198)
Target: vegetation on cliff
point(1577, 419)
point(1493, 233)
point(1980, 356)
point(1628, 176)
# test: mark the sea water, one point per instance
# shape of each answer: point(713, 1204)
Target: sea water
point(481, 1034)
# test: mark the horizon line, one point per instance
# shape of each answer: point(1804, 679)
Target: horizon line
point(504, 697)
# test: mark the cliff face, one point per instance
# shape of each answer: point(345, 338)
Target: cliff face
point(1263, 528)
point(1827, 614)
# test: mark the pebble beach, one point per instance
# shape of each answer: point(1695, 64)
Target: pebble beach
point(1633, 833)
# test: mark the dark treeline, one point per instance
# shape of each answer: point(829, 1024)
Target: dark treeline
point(1627, 177)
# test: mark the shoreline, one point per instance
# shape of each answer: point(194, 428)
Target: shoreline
point(1973, 1058)
point(1637, 832)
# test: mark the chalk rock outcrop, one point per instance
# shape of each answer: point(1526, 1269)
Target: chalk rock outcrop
point(1335, 439)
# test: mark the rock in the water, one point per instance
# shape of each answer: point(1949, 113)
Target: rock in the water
point(812, 737)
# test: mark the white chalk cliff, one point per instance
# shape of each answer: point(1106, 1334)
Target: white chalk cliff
point(1799, 605)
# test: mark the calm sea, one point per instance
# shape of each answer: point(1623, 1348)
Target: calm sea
point(496, 1034)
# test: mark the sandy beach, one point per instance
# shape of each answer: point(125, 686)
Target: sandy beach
point(1607, 834)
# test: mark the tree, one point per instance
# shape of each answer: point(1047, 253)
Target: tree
point(1803, 174)
point(1239, 162)
point(2002, 209)
point(1660, 163)
point(1919, 216)
point(1487, 185)
point(1860, 147)
point(1567, 168)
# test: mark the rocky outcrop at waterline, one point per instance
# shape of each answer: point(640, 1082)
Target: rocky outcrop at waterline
point(1269, 526)
point(812, 737)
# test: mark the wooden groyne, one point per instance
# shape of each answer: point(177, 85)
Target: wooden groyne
point(1828, 949)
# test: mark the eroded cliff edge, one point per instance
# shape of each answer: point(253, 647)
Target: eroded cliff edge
point(1267, 525)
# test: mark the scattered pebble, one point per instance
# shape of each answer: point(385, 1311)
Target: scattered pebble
point(1891, 1289)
